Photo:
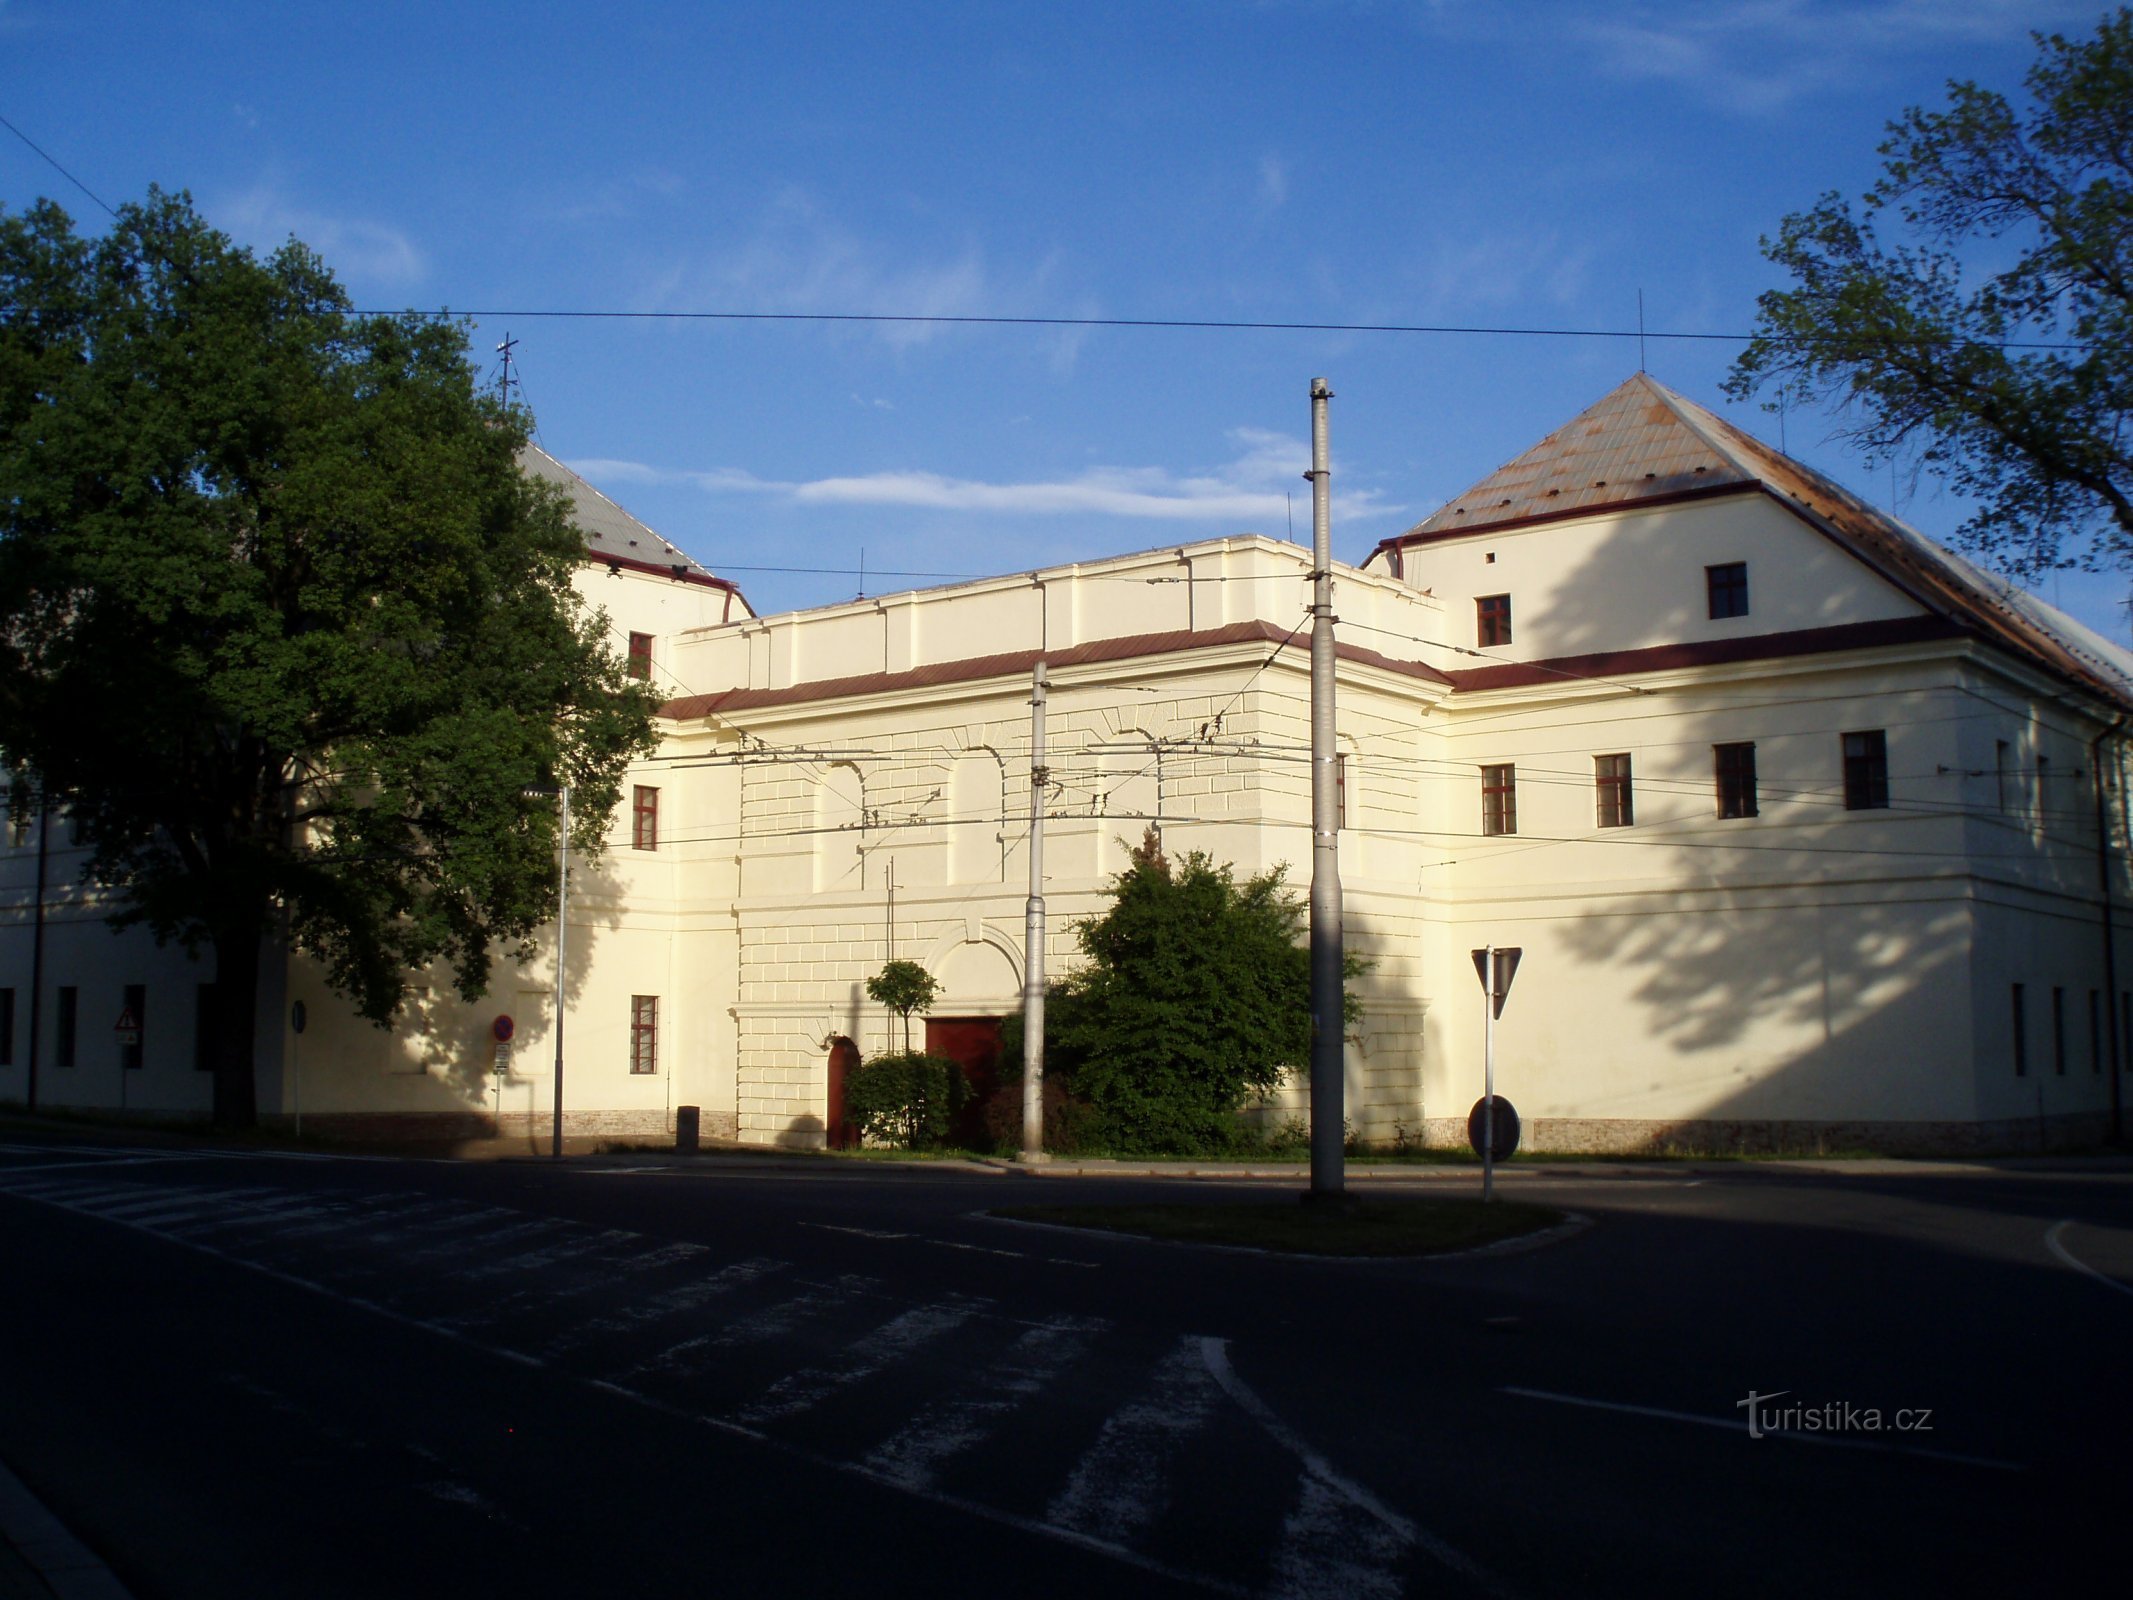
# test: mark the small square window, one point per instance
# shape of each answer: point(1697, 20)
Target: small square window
point(1492, 620)
point(1866, 771)
point(1611, 790)
point(1735, 770)
point(640, 664)
point(644, 1033)
point(1499, 799)
point(1727, 585)
point(644, 819)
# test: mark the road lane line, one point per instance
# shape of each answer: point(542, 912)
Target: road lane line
point(1215, 1353)
point(2051, 1238)
point(1735, 1425)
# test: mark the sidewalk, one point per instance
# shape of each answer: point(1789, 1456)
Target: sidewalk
point(39, 1559)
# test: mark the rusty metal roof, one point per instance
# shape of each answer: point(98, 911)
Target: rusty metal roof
point(1644, 444)
point(1633, 445)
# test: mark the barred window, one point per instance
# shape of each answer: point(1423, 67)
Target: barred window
point(1866, 771)
point(1499, 799)
point(1735, 764)
point(644, 1033)
point(1492, 620)
point(1611, 791)
point(644, 819)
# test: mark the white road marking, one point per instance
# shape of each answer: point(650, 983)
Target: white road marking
point(774, 1321)
point(893, 1341)
point(673, 1303)
point(1122, 1483)
point(1740, 1426)
point(1032, 1365)
point(2059, 1249)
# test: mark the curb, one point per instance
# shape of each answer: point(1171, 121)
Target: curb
point(67, 1567)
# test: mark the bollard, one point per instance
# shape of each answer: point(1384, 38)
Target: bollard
point(687, 1119)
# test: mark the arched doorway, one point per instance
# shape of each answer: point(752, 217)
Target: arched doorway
point(843, 1060)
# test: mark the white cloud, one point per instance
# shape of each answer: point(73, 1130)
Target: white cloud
point(1251, 489)
point(354, 247)
point(1273, 183)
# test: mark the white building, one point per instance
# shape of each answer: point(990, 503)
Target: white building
point(1801, 822)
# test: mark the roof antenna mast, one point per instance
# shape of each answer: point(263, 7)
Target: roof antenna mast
point(504, 380)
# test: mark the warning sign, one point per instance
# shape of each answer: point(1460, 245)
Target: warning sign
point(128, 1026)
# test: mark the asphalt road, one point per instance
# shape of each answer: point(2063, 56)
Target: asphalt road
point(260, 1375)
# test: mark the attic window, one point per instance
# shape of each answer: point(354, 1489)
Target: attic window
point(1727, 586)
point(1703, 469)
point(633, 542)
point(1552, 493)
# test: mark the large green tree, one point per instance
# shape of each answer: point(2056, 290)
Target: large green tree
point(1994, 345)
point(1194, 994)
point(281, 622)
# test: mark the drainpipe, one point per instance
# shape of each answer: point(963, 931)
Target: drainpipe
point(2110, 948)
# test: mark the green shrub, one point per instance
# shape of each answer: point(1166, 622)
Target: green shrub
point(1071, 1126)
point(905, 1099)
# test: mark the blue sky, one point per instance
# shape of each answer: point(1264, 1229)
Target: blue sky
point(1529, 165)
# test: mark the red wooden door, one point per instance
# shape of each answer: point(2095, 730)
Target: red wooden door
point(973, 1044)
point(843, 1057)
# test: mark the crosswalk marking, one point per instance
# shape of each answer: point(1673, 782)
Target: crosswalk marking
point(1033, 1364)
point(674, 1302)
point(1122, 1483)
point(772, 1322)
point(892, 1341)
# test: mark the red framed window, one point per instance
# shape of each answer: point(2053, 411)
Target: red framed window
point(640, 655)
point(1492, 620)
point(644, 1033)
point(1499, 799)
point(1612, 798)
point(1735, 764)
point(644, 819)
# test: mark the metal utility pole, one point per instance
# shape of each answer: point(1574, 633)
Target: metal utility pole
point(1328, 1121)
point(44, 839)
point(1040, 776)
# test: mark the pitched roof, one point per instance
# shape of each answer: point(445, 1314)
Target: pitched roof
point(611, 533)
point(1643, 444)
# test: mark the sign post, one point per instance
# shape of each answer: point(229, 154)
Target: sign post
point(501, 1031)
point(1496, 968)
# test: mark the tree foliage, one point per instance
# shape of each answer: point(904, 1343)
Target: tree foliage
point(1194, 995)
point(904, 987)
point(906, 1099)
point(280, 620)
point(2016, 387)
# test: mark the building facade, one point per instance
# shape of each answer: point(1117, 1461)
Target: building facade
point(1811, 834)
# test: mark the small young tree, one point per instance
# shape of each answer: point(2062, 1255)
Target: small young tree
point(1196, 994)
point(904, 987)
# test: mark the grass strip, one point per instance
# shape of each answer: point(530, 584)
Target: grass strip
point(1374, 1227)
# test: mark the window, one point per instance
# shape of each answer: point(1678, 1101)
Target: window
point(2058, 1030)
point(1492, 620)
point(7, 1027)
point(644, 819)
point(1999, 772)
point(640, 664)
point(204, 1027)
point(2095, 1031)
point(1499, 799)
point(63, 1026)
point(2044, 776)
point(1610, 777)
point(1736, 779)
point(1727, 586)
point(135, 1011)
point(2021, 1034)
point(644, 1033)
point(1866, 771)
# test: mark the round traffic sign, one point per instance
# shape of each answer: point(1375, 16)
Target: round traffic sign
point(1506, 1129)
point(502, 1028)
